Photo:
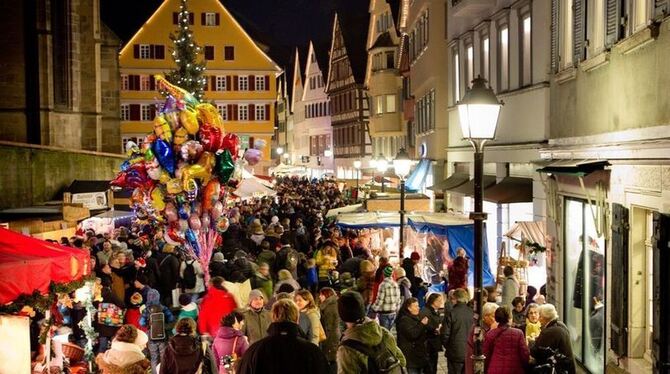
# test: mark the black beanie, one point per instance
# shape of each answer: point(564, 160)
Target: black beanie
point(351, 307)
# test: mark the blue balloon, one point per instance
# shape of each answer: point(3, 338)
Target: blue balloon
point(125, 165)
point(190, 237)
point(164, 154)
point(183, 214)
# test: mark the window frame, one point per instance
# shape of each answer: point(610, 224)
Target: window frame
point(210, 19)
point(259, 83)
point(223, 111)
point(144, 51)
point(125, 82)
point(243, 109)
point(229, 51)
point(503, 62)
point(145, 83)
point(145, 112)
point(220, 83)
point(379, 105)
point(124, 112)
point(260, 114)
point(243, 79)
point(525, 61)
point(455, 72)
point(393, 100)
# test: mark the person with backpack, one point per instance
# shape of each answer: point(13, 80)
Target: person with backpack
point(155, 320)
point(192, 277)
point(287, 258)
point(366, 347)
point(412, 331)
point(230, 343)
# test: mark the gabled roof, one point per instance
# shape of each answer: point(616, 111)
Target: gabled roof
point(354, 19)
point(395, 10)
point(384, 40)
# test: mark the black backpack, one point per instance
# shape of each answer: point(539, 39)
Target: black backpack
point(189, 279)
point(380, 358)
point(156, 323)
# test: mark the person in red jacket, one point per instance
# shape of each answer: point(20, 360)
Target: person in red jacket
point(505, 346)
point(216, 304)
point(458, 271)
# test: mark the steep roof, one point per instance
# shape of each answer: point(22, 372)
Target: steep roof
point(354, 19)
point(383, 40)
point(395, 9)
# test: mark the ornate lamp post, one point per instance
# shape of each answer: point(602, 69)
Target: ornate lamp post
point(382, 166)
point(478, 111)
point(402, 163)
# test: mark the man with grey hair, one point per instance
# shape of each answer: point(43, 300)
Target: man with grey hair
point(554, 336)
point(488, 317)
point(455, 327)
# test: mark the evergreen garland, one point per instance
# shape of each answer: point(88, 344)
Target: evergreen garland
point(189, 73)
point(40, 302)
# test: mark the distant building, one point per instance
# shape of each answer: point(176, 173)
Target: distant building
point(60, 77)
point(241, 77)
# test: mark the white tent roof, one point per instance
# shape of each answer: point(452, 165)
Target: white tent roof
point(530, 230)
point(252, 187)
point(344, 209)
point(390, 219)
point(247, 175)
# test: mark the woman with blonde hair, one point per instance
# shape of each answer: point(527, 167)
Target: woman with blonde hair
point(308, 309)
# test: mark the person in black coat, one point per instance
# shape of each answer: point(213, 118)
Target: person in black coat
point(169, 270)
point(412, 336)
point(431, 311)
point(217, 267)
point(554, 336)
point(283, 351)
point(455, 328)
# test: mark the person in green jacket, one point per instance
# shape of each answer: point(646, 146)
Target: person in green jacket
point(262, 280)
point(189, 309)
point(257, 319)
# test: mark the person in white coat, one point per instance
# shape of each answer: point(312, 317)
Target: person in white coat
point(199, 278)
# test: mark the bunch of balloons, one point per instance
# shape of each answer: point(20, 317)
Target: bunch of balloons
point(181, 173)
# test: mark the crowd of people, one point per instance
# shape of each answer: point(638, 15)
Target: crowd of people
point(320, 301)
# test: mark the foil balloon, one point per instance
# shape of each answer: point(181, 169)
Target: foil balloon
point(194, 222)
point(225, 166)
point(125, 165)
point(206, 221)
point(148, 154)
point(153, 170)
point(222, 224)
point(211, 137)
point(137, 176)
point(207, 113)
point(174, 186)
point(191, 150)
point(137, 197)
point(169, 105)
point(157, 199)
point(189, 120)
point(162, 128)
point(253, 156)
point(184, 211)
point(211, 194)
point(176, 92)
point(120, 180)
point(193, 241)
point(207, 161)
point(173, 237)
point(180, 136)
point(132, 148)
point(164, 154)
point(195, 171)
point(231, 142)
point(196, 208)
point(190, 188)
point(260, 144)
point(217, 210)
point(183, 225)
point(171, 213)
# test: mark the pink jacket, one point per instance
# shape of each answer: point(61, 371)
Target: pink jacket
point(223, 343)
point(506, 351)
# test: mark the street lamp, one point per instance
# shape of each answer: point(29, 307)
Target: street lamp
point(279, 151)
point(382, 166)
point(357, 166)
point(478, 114)
point(402, 164)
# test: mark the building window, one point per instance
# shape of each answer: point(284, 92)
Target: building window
point(223, 111)
point(526, 76)
point(566, 34)
point(125, 112)
point(146, 112)
point(260, 113)
point(220, 83)
point(456, 76)
point(379, 105)
point(209, 52)
point(145, 83)
point(260, 83)
point(145, 51)
point(469, 65)
point(243, 112)
point(503, 59)
point(229, 53)
point(390, 103)
point(210, 19)
point(125, 82)
point(390, 60)
point(585, 292)
point(485, 58)
point(243, 82)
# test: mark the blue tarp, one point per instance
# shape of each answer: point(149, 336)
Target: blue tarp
point(458, 236)
point(417, 178)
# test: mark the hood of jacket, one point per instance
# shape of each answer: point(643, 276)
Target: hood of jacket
point(404, 281)
point(226, 332)
point(369, 332)
point(123, 354)
point(183, 345)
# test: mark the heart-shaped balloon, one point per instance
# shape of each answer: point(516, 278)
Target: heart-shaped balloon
point(164, 154)
point(231, 142)
point(211, 137)
point(253, 156)
point(225, 166)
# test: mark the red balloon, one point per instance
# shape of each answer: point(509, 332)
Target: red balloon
point(211, 138)
point(231, 142)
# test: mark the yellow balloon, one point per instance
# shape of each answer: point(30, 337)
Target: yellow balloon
point(207, 160)
point(196, 171)
point(164, 177)
point(189, 185)
point(180, 136)
point(207, 113)
point(189, 120)
point(157, 199)
point(162, 128)
point(173, 186)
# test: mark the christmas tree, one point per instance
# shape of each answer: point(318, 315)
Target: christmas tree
point(189, 73)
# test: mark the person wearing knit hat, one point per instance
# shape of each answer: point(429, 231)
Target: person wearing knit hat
point(388, 299)
point(361, 334)
point(257, 319)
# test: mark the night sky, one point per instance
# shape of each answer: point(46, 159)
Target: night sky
point(281, 24)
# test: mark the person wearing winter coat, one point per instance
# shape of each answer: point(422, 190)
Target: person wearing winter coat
point(262, 280)
point(285, 276)
point(305, 302)
point(431, 310)
point(330, 321)
point(152, 302)
point(256, 317)
point(510, 288)
point(412, 336)
point(230, 343)
point(125, 355)
point(505, 346)
point(489, 322)
point(555, 335)
point(105, 332)
point(184, 353)
point(455, 327)
point(169, 270)
point(283, 348)
point(458, 271)
point(326, 261)
point(361, 330)
point(403, 283)
point(217, 267)
point(199, 276)
point(388, 299)
point(216, 304)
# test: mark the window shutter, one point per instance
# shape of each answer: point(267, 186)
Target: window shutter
point(661, 331)
point(152, 51)
point(619, 311)
point(213, 83)
point(175, 18)
point(252, 83)
point(152, 82)
point(554, 35)
point(229, 109)
point(191, 18)
point(252, 112)
point(267, 112)
point(235, 112)
point(228, 83)
point(152, 111)
point(160, 52)
point(136, 50)
point(251, 141)
point(136, 78)
point(235, 87)
point(203, 19)
point(612, 22)
point(218, 19)
point(267, 83)
point(579, 24)
point(134, 112)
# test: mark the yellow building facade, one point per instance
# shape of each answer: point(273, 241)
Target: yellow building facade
point(241, 77)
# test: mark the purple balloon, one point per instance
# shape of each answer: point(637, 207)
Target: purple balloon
point(253, 156)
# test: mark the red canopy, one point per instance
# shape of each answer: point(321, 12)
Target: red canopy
point(28, 264)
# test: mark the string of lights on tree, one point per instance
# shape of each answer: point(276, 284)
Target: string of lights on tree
point(189, 73)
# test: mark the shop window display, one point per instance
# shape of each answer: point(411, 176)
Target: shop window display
point(584, 285)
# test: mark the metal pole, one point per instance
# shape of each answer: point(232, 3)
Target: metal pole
point(478, 216)
point(401, 251)
point(382, 177)
point(358, 171)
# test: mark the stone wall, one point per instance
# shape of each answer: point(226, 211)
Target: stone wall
point(34, 174)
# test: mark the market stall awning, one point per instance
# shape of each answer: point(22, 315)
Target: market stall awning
point(30, 264)
point(417, 178)
point(510, 190)
point(530, 230)
point(468, 188)
point(344, 209)
point(252, 187)
point(453, 181)
point(578, 168)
